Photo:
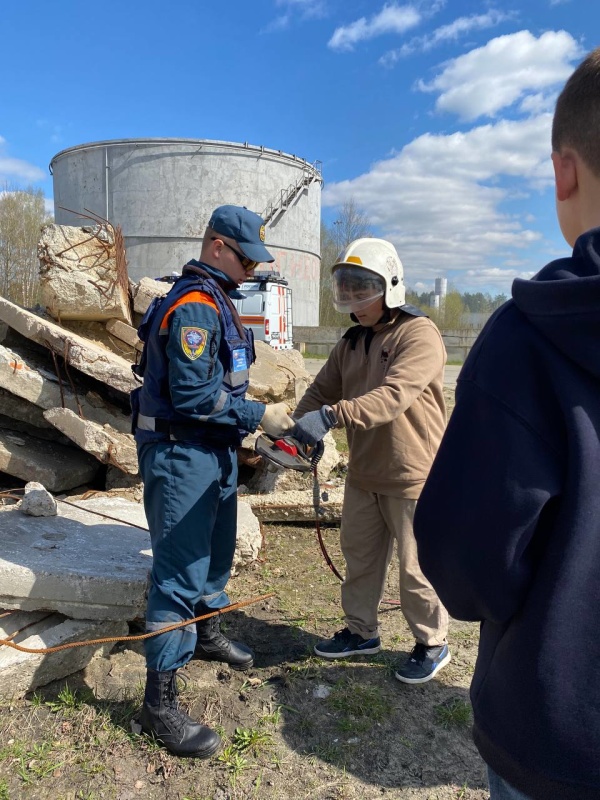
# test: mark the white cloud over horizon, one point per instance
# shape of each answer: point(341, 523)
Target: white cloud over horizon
point(456, 203)
point(16, 170)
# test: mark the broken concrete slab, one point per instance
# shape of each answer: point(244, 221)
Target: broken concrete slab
point(89, 358)
point(21, 410)
point(297, 506)
point(56, 466)
point(24, 377)
point(81, 274)
point(49, 433)
point(277, 375)
point(126, 333)
point(130, 484)
point(77, 563)
point(145, 292)
point(23, 672)
point(249, 537)
point(103, 442)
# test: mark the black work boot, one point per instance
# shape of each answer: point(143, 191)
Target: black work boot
point(162, 718)
point(213, 646)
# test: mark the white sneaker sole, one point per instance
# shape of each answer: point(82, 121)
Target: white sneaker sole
point(367, 652)
point(431, 675)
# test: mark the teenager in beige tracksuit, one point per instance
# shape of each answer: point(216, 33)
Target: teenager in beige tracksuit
point(383, 383)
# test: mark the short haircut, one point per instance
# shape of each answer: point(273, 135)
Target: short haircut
point(576, 121)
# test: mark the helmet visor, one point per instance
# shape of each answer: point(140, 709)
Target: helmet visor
point(355, 288)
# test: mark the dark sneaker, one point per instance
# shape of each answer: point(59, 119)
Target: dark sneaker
point(344, 644)
point(423, 663)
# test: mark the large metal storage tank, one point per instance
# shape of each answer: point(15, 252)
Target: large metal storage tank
point(162, 192)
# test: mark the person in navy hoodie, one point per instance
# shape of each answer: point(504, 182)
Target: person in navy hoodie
point(508, 524)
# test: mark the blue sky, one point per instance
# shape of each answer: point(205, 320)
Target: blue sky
point(434, 117)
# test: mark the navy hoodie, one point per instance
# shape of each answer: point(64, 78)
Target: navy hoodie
point(508, 528)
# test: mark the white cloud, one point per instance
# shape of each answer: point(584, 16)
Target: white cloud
point(14, 170)
point(445, 200)
point(499, 74)
point(445, 33)
point(308, 8)
point(391, 19)
point(304, 9)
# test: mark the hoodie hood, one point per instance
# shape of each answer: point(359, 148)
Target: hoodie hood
point(563, 302)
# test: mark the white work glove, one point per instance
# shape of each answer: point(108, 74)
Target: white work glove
point(276, 421)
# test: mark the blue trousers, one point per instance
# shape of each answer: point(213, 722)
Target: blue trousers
point(190, 499)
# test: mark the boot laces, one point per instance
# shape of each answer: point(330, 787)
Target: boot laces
point(177, 718)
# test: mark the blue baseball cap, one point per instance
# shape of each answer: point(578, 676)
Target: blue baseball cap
point(243, 226)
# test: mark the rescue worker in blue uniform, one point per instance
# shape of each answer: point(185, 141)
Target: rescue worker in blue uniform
point(189, 415)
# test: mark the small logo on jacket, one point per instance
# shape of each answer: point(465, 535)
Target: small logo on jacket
point(193, 342)
point(385, 354)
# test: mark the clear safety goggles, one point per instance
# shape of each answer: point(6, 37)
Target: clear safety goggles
point(355, 288)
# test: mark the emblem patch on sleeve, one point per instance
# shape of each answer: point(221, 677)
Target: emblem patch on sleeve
point(193, 342)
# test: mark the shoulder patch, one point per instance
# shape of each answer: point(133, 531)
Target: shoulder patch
point(193, 341)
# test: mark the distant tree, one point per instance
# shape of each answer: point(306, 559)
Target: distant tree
point(498, 301)
point(22, 215)
point(452, 311)
point(351, 224)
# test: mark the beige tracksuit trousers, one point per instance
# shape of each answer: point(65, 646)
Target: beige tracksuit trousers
point(370, 524)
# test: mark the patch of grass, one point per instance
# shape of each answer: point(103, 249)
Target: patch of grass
point(359, 706)
point(234, 761)
point(271, 719)
point(15, 749)
point(251, 739)
point(4, 795)
point(69, 700)
point(455, 713)
point(243, 742)
point(36, 764)
point(315, 355)
point(328, 752)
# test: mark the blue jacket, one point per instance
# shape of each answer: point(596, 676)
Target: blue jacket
point(195, 366)
point(508, 528)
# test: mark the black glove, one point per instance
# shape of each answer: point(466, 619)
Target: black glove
point(314, 425)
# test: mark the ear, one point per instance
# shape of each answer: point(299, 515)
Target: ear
point(565, 174)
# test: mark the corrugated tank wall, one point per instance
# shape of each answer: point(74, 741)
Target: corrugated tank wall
point(163, 191)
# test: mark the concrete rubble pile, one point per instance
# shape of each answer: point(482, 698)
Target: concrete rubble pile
point(77, 569)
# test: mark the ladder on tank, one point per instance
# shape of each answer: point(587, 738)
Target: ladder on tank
point(284, 199)
point(289, 323)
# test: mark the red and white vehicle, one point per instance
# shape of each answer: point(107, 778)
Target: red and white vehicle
point(267, 309)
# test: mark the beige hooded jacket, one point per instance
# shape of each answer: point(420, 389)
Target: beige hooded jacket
point(390, 400)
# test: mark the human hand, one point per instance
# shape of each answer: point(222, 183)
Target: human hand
point(314, 425)
point(276, 421)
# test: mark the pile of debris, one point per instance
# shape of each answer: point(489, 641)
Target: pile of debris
point(78, 569)
point(65, 370)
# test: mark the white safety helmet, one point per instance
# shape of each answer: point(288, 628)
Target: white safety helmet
point(368, 269)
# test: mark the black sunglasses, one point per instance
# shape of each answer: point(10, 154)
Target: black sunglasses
point(246, 263)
